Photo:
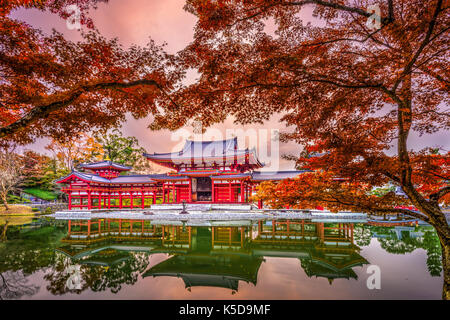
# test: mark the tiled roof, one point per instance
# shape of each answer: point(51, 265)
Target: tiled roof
point(104, 164)
point(132, 179)
point(88, 177)
point(276, 175)
point(207, 151)
point(232, 176)
point(152, 178)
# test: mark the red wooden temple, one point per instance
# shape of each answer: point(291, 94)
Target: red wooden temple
point(202, 172)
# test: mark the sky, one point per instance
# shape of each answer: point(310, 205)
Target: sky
point(165, 21)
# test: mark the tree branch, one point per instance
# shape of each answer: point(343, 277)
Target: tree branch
point(333, 5)
point(437, 195)
point(62, 100)
point(425, 41)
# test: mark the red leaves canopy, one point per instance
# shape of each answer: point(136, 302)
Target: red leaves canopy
point(54, 87)
point(351, 92)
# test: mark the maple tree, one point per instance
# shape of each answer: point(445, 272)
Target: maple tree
point(51, 86)
point(11, 165)
point(80, 148)
point(353, 94)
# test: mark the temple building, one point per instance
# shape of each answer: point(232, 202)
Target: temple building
point(202, 172)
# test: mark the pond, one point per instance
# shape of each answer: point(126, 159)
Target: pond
point(267, 259)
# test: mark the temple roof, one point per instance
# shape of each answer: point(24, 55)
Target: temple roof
point(84, 176)
point(153, 178)
point(232, 176)
point(141, 178)
point(128, 179)
point(103, 165)
point(276, 175)
point(207, 152)
point(208, 270)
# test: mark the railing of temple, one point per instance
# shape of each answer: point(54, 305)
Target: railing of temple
point(287, 231)
point(176, 236)
point(112, 189)
point(298, 231)
point(228, 236)
point(100, 230)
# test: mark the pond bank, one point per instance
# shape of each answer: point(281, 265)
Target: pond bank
point(223, 213)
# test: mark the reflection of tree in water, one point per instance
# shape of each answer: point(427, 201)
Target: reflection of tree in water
point(59, 274)
point(432, 245)
point(397, 246)
point(29, 251)
point(362, 235)
point(429, 241)
point(15, 285)
point(124, 272)
point(24, 252)
point(96, 277)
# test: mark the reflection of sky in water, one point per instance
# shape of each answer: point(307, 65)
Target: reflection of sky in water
point(403, 276)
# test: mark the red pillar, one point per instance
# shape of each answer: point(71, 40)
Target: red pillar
point(142, 198)
point(190, 191)
point(120, 200)
point(173, 192)
point(229, 191)
point(242, 191)
point(89, 200)
point(131, 199)
point(164, 193)
point(100, 200)
point(109, 200)
point(212, 189)
point(70, 200)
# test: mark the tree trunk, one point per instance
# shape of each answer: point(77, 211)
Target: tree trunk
point(3, 235)
point(446, 270)
point(443, 232)
point(5, 203)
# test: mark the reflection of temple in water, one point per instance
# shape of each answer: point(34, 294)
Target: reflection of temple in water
point(398, 232)
point(217, 255)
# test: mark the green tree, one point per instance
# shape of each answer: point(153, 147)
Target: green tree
point(123, 150)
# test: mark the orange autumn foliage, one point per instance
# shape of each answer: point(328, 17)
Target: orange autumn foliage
point(54, 87)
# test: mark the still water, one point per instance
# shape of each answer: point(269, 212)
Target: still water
point(279, 259)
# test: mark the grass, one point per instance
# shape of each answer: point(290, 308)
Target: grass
point(15, 220)
point(41, 194)
point(16, 210)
